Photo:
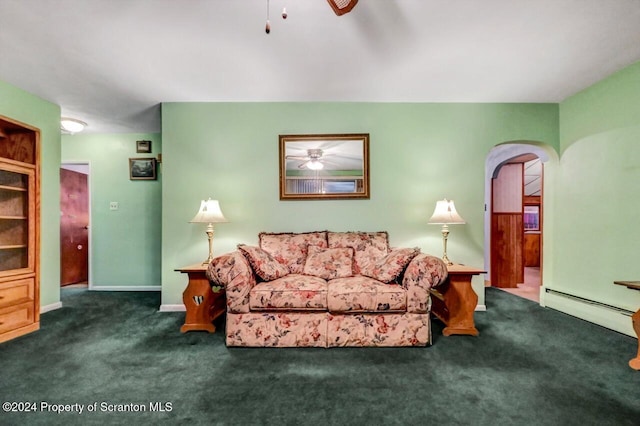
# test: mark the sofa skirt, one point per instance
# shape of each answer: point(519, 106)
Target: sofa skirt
point(324, 329)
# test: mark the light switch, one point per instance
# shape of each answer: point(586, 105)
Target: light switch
point(113, 205)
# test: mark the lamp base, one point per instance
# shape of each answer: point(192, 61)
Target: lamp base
point(209, 233)
point(445, 235)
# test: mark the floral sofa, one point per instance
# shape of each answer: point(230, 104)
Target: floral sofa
point(327, 289)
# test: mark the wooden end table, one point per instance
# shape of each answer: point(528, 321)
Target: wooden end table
point(635, 319)
point(454, 301)
point(202, 304)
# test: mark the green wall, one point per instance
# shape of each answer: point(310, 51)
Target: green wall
point(125, 243)
point(610, 104)
point(597, 194)
point(22, 106)
point(419, 153)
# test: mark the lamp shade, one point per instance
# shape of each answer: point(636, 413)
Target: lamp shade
point(209, 213)
point(445, 213)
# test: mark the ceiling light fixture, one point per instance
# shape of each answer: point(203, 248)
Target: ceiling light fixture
point(71, 125)
point(314, 164)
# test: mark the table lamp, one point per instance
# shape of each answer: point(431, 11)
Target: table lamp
point(209, 213)
point(445, 214)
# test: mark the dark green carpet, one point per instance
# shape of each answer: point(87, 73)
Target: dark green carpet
point(529, 366)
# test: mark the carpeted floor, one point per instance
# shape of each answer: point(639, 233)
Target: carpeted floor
point(105, 352)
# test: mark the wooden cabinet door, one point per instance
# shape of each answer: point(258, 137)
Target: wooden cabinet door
point(17, 223)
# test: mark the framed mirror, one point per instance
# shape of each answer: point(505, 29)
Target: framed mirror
point(316, 167)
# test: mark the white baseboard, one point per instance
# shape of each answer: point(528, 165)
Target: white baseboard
point(51, 307)
point(481, 308)
point(57, 305)
point(125, 288)
point(172, 308)
point(599, 315)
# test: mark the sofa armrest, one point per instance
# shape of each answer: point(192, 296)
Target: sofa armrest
point(423, 273)
point(233, 272)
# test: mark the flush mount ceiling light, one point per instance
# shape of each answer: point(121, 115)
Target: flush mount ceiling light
point(71, 125)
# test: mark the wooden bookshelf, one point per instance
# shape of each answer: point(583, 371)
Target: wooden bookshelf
point(19, 229)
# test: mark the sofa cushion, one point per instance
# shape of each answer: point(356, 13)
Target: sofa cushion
point(329, 263)
point(277, 329)
point(391, 266)
point(369, 247)
point(364, 294)
point(378, 329)
point(291, 248)
point(262, 263)
point(293, 292)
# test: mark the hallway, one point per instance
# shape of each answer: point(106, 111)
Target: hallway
point(530, 289)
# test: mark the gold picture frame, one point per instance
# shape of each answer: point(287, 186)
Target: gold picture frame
point(324, 166)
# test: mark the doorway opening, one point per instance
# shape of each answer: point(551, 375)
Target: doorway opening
point(514, 200)
point(75, 225)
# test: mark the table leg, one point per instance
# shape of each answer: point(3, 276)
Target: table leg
point(635, 318)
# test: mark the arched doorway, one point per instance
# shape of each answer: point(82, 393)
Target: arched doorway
point(514, 205)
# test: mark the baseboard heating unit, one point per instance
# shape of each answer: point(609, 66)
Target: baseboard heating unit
point(603, 314)
point(590, 302)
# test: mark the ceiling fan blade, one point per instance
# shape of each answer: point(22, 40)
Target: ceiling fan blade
point(340, 7)
point(303, 164)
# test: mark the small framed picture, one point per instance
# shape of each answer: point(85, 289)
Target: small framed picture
point(143, 147)
point(142, 168)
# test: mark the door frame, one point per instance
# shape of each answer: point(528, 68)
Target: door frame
point(86, 165)
point(497, 157)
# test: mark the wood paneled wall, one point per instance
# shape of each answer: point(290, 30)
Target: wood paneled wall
point(507, 227)
point(532, 249)
point(507, 189)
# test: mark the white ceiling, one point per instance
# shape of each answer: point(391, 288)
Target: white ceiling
point(111, 62)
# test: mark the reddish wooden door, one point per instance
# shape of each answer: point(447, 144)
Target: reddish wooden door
point(507, 228)
point(74, 227)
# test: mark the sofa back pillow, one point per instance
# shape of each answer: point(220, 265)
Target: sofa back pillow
point(368, 248)
point(388, 268)
point(263, 264)
point(329, 263)
point(290, 249)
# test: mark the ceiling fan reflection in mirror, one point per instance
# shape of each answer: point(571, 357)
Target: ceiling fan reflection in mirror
point(312, 161)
